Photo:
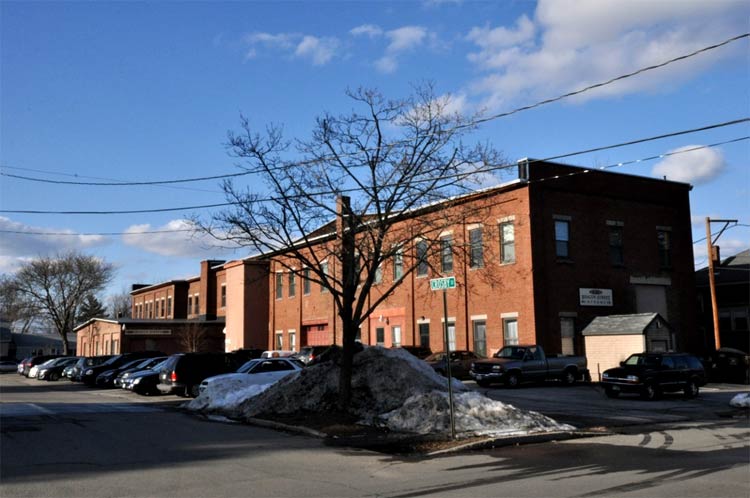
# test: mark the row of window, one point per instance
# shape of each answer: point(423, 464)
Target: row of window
point(160, 308)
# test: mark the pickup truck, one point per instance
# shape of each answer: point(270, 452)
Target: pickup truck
point(513, 365)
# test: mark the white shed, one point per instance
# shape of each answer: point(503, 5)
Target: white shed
point(611, 339)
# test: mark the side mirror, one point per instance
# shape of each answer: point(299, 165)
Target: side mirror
point(622, 363)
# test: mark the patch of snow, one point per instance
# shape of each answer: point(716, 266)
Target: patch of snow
point(741, 400)
point(390, 387)
point(474, 414)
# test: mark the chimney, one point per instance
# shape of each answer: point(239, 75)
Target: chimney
point(523, 169)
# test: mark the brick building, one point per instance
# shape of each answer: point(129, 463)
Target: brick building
point(535, 261)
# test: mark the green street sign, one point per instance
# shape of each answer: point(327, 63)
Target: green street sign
point(437, 284)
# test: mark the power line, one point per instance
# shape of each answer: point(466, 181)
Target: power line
point(458, 127)
point(494, 168)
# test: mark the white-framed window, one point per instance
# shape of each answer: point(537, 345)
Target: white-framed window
point(422, 265)
point(292, 283)
point(292, 340)
point(279, 285)
point(562, 239)
point(396, 336)
point(223, 295)
point(507, 242)
point(306, 282)
point(279, 340)
point(324, 271)
point(398, 264)
point(510, 331)
point(446, 254)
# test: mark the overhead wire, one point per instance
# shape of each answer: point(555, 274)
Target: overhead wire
point(470, 124)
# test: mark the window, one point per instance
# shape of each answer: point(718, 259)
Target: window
point(223, 296)
point(615, 245)
point(452, 335)
point(398, 265)
point(380, 336)
point(480, 337)
point(567, 335)
point(424, 335)
point(279, 341)
point(476, 249)
point(562, 238)
point(324, 271)
point(292, 284)
point(422, 258)
point(292, 340)
point(664, 241)
point(396, 336)
point(279, 285)
point(446, 254)
point(163, 307)
point(169, 305)
point(306, 282)
point(510, 332)
point(507, 243)
point(196, 305)
point(378, 274)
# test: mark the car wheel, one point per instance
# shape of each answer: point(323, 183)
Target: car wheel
point(193, 391)
point(569, 377)
point(54, 376)
point(483, 383)
point(691, 389)
point(611, 393)
point(649, 392)
point(513, 380)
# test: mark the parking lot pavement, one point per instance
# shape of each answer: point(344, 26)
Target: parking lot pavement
point(586, 406)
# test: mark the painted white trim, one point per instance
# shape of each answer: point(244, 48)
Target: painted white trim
point(507, 219)
point(477, 317)
point(513, 314)
point(473, 226)
point(666, 281)
point(615, 223)
point(450, 319)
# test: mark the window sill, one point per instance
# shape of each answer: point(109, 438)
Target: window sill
point(507, 263)
point(565, 261)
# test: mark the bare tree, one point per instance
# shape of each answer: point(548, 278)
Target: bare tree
point(19, 312)
point(370, 171)
point(120, 305)
point(193, 337)
point(57, 287)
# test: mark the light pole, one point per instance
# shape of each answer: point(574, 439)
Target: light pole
point(711, 276)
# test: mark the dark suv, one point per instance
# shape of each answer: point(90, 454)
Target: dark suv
point(183, 373)
point(651, 374)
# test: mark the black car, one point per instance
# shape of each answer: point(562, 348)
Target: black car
point(651, 374)
point(107, 378)
point(83, 364)
point(140, 365)
point(308, 353)
point(90, 374)
point(420, 352)
point(54, 371)
point(460, 363)
point(183, 373)
point(144, 381)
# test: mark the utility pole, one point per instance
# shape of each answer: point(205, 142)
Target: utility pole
point(713, 256)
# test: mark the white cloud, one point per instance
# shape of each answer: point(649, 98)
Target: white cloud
point(369, 30)
point(20, 243)
point(400, 40)
point(570, 44)
point(696, 167)
point(318, 50)
point(180, 239)
point(728, 247)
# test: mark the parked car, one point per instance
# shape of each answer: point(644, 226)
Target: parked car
point(52, 370)
point(107, 378)
point(308, 353)
point(22, 364)
point(144, 381)
point(25, 366)
point(90, 374)
point(34, 370)
point(8, 366)
point(728, 365)
point(651, 374)
point(259, 372)
point(420, 352)
point(83, 364)
point(460, 363)
point(183, 373)
point(513, 365)
point(140, 366)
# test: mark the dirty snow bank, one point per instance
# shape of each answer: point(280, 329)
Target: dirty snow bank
point(742, 400)
point(390, 388)
point(474, 414)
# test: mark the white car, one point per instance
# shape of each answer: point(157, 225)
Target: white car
point(259, 372)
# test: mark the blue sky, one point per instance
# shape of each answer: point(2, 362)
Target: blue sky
point(147, 91)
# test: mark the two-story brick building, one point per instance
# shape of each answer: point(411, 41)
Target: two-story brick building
point(539, 258)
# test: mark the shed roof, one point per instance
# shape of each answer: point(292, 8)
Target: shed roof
point(635, 324)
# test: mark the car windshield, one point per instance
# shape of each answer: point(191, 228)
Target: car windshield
point(435, 357)
point(643, 360)
point(247, 366)
point(159, 366)
point(512, 352)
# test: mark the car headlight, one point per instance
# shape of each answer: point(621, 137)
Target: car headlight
point(605, 375)
point(497, 368)
point(138, 380)
point(89, 372)
point(632, 378)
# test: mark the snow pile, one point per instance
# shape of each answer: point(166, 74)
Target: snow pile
point(742, 400)
point(223, 395)
point(390, 388)
point(474, 414)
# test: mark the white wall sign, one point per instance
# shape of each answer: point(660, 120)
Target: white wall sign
point(148, 332)
point(595, 297)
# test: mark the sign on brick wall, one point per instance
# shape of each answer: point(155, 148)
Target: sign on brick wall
point(595, 297)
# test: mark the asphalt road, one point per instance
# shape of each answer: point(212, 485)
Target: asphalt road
point(63, 440)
